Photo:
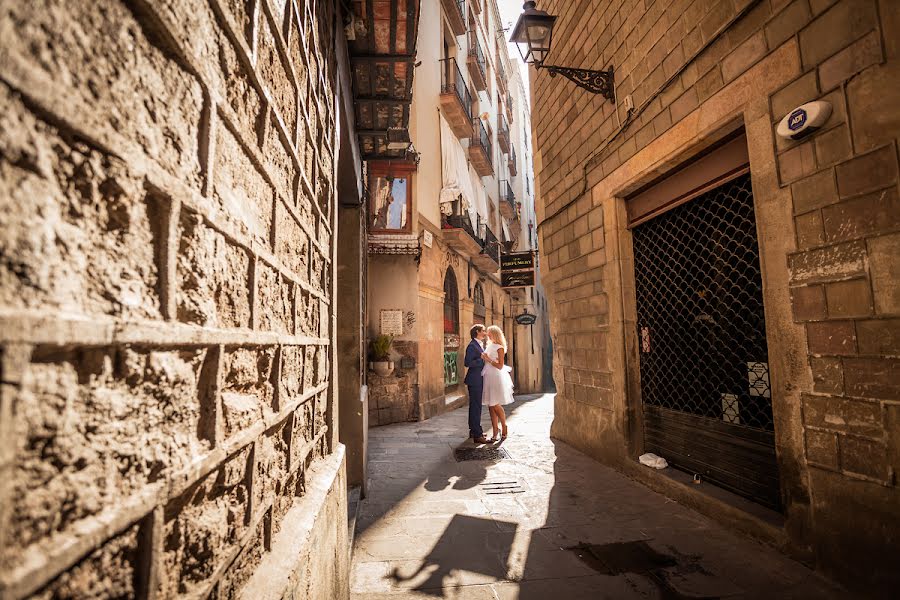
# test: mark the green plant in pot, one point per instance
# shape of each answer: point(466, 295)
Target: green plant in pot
point(381, 355)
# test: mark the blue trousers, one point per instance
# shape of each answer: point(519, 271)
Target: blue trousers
point(475, 430)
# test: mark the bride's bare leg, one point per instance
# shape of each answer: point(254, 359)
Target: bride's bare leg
point(501, 416)
point(493, 411)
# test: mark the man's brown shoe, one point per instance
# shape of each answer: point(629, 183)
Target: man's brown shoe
point(481, 440)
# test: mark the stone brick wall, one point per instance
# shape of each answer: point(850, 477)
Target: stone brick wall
point(827, 213)
point(166, 283)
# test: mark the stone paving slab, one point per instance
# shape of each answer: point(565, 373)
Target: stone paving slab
point(433, 527)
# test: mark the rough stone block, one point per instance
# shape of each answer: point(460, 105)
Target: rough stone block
point(851, 298)
point(822, 448)
point(872, 377)
point(744, 56)
point(272, 456)
point(213, 277)
point(885, 272)
point(814, 191)
point(240, 12)
point(833, 146)
point(844, 415)
point(279, 162)
point(275, 301)
point(95, 426)
point(837, 28)
point(318, 271)
point(865, 457)
point(308, 314)
point(797, 162)
point(275, 72)
point(302, 431)
point(240, 188)
point(850, 61)
point(787, 23)
point(862, 216)
point(199, 31)
point(809, 303)
point(879, 336)
point(828, 375)
point(291, 380)
point(869, 172)
point(203, 526)
point(832, 337)
point(247, 387)
point(291, 243)
point(829, 263)
point(867, 96)
point(244, 566)
point(809, 230)
point(134, 89)
point(80, 233)
point(107, 573)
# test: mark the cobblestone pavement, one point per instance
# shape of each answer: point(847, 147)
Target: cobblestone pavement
point(434, 527)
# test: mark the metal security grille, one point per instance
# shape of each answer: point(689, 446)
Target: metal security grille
point(701, 328)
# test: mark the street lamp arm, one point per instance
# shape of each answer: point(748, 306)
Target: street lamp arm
point(596, 82)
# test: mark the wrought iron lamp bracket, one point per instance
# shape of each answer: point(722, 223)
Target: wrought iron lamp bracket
point(596, 82)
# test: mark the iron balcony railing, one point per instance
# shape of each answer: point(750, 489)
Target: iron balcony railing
point(513, 166)
point(482, 138)
point(506, 194)
point(491, 245)
point(459, 219)
point(453, 82)
point(509, 107)
point(501, 74)
point(477, 53)
point(502, 127)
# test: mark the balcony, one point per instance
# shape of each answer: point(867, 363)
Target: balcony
point(502, 82)
point(488, 260)
point(456, 15)
point(456, 101)
point(480, 150)
point(509, 107)
point(507, 201)
point(503, 132)
point(511, 161)
point(477, 62)
point(459, 232)
point(476, 6)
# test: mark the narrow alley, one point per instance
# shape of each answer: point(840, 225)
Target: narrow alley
point(520, 526)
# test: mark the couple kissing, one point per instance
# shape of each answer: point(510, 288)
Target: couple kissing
point(488, 381)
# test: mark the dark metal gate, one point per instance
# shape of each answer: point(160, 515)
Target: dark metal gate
point(704, 368)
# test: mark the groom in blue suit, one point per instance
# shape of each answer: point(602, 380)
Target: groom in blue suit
point(474, 381)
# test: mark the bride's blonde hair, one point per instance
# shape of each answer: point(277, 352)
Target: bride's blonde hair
point(496, 335)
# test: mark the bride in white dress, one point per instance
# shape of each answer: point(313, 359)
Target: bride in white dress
point(498, 385)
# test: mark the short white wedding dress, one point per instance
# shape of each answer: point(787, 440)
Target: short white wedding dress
point(498, 384)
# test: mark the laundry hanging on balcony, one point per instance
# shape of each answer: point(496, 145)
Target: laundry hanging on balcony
point(457, 184)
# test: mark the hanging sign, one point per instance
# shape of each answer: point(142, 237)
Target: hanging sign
point(526, 319)
point(515, 279)
point(515, 261)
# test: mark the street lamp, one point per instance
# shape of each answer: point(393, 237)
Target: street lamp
point(533, 34)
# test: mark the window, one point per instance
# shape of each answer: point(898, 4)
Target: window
point(390, 196)
point(451, 303)
point(478, 298)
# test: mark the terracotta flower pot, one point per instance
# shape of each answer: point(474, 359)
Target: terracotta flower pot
point(383, 368)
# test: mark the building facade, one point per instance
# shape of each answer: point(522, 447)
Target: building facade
point(169, 211)
point(440, 217)
point(721, 295)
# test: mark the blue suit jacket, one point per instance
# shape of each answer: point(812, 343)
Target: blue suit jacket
point(474, 364)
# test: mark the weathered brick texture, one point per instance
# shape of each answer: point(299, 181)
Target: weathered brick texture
point(692, 67)
point(166, 206)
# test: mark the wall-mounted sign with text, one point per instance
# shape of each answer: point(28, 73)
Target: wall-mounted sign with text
point(514, 279)
point(516, 261)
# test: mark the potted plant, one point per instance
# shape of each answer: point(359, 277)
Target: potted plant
point(381, 355)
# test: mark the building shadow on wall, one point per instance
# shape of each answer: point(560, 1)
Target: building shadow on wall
point(470, 551)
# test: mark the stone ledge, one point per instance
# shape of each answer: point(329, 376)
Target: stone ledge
point(293, 557)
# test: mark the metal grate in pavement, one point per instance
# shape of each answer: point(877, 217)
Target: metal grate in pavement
point(492, 454)
point(501, 487)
